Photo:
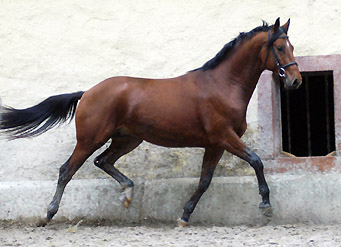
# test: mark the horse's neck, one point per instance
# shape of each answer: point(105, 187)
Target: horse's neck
point(242, 69)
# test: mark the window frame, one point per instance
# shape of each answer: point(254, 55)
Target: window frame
point(269, 120)
point(315, 137)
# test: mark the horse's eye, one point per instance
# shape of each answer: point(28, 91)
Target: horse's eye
point(280, 48)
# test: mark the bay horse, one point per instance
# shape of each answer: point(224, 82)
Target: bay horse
point(205, 108)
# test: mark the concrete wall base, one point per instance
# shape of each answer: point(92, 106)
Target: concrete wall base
point(309, 199)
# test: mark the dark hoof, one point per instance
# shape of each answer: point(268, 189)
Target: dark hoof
point(182, 223)
point(264, 205)
point(41, 222)
point(266, 209)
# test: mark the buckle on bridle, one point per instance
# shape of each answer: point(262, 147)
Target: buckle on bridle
point(281, 69)
point(281, 72)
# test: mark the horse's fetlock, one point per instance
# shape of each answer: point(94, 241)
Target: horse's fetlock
point(189, 208)
point(264, 191)
point(128, 184)
point(52, 209)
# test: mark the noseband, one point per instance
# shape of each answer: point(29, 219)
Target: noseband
point(281, 68)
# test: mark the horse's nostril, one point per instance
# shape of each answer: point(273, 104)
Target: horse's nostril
point(295, 83)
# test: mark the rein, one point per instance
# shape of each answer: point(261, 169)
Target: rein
point(281, 68)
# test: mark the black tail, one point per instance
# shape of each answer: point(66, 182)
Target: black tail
point(36, 120)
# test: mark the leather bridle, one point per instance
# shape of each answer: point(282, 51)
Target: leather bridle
point(281, 68)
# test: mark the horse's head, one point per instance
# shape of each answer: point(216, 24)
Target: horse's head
point(277, 56)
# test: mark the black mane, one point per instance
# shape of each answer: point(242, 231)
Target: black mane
point(228, 48)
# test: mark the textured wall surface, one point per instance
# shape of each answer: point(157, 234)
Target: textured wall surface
point(52, 47)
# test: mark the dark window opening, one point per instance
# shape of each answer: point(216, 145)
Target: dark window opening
point(307, 116)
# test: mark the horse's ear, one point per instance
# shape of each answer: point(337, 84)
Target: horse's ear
point(275, 27)
point(286, 26)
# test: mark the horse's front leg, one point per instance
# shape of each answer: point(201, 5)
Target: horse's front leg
point(234, 145)
point(210, 161)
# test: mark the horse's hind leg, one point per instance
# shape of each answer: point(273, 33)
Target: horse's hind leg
point(66, 172)
point(120, 146)
point(211, 159)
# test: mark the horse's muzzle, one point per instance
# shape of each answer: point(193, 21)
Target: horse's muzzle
point(291, 84)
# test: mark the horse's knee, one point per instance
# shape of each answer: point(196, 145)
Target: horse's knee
point(256, 162)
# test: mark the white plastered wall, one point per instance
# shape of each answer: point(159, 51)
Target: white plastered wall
point(53, 47)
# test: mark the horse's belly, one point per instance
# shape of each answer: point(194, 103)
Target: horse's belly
point(170, 136)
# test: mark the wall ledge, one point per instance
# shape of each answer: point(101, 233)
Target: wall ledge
point(309, 199)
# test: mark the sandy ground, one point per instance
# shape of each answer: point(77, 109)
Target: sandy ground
point(73, 235)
